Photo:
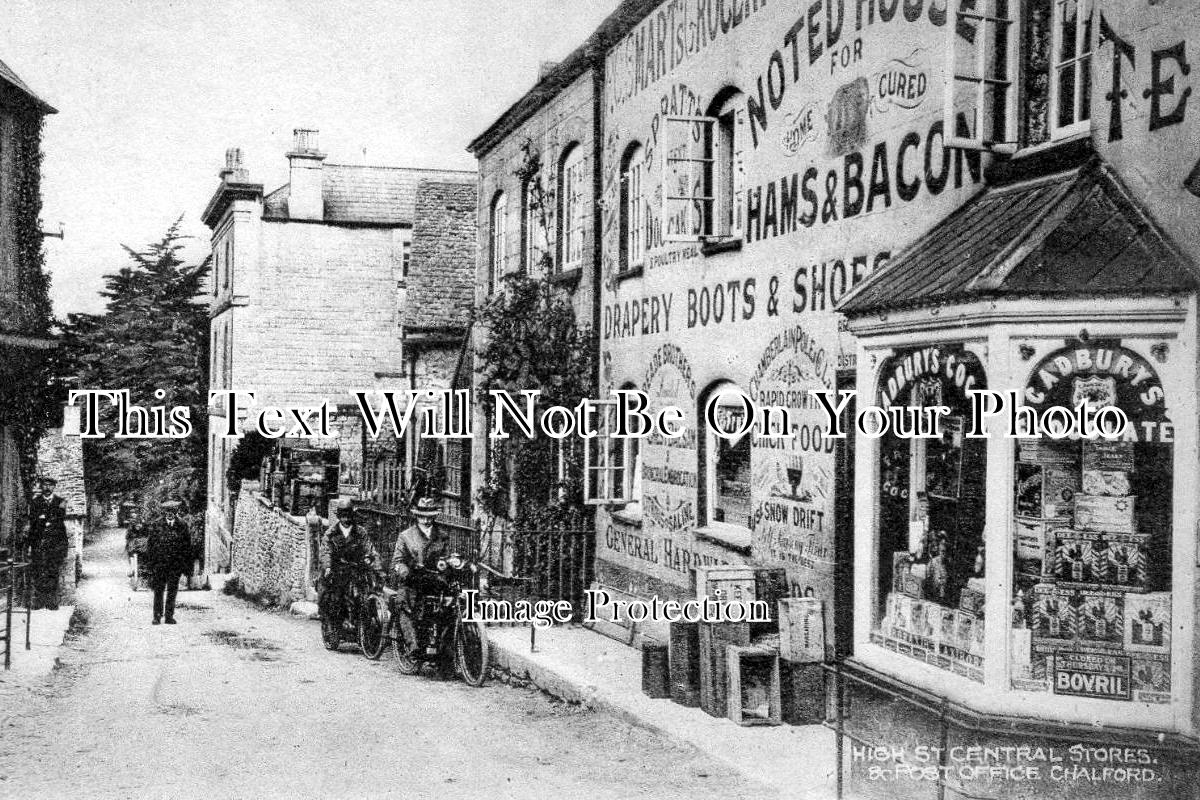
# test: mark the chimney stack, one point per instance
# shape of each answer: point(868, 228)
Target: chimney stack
point(234, 172)
point(305, 200)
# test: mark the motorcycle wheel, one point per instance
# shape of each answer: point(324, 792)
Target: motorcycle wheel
point(404, 646)
point(331, 632)
point(471, 651)
point(371, 630)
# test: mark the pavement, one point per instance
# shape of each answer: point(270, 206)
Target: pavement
point(237, 702)
point(47, 629)
point(581, 666)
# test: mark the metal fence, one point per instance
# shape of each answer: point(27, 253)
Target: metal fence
point(15, 586)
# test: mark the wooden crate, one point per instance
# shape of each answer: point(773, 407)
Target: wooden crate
point(715, 637)
point(684, 663)
point(770, 586)
point(802, 629)
point(655, 672)
point(802, 693)
point(736, 583)
point(753, 686)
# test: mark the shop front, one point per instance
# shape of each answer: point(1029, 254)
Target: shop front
point(1033, 577)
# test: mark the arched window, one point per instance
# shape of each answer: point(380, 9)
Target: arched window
point(702, 171)
point(572, 194)
point(724, 460)
point(499, 250)
point(633, 207)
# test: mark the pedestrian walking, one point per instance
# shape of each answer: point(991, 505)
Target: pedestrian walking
point(169, 553)
point(47, 541)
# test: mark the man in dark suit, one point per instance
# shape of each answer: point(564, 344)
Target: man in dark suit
point(414, 561)
point(347, 558)
point(169, 555)
point(48, 541)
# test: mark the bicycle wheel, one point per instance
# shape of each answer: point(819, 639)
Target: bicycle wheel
point(404, 644)
point(371, 626)
point(471, 649)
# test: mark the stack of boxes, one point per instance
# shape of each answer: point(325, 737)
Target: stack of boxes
point(1084, 620)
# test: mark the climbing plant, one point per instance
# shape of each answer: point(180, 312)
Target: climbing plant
point(531, 340)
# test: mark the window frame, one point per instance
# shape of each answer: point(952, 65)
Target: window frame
point(573, 191)
point(695, 152)
point(497, 239)
point(633, 208)
point(1084, 52)
point(950, 133)
point(531, 221)
point(605, 481)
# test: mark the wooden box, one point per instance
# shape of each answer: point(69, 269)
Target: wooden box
point(802, 693)
point(802, 629)
point(684, 663)
point(715, 637)
point(656, 680)
point(754, 691)
point(733, 583)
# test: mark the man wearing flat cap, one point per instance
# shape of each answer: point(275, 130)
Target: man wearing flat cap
point(347, 558)
point(47, 541)
point(169, 555)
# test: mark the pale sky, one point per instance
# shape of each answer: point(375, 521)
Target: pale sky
point(150, 93)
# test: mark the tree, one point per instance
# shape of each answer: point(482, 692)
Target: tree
point(151, 340)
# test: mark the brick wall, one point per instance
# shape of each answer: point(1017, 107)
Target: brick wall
point(270, 550)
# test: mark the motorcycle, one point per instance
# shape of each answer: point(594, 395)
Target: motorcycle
point(363, 617)
point(431, 628)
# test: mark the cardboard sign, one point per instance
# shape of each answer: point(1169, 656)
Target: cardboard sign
point(1099, 675)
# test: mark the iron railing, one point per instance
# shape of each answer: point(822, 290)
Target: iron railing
point(15, 584)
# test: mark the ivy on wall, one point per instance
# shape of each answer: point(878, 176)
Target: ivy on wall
point(530, 339)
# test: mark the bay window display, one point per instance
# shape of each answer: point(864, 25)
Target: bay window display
point(931, 515)
point(1091, 599)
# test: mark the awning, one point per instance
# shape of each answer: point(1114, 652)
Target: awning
point(1074, 233)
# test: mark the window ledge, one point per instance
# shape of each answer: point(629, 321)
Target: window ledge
point(727, 244)
point(632, 272)
point(569, 278)
point(627, 516)
point(731, 537)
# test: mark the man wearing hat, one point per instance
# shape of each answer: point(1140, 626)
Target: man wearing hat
point(48, 541)
point(347, 553)
point(169, 555)
point(418, 547)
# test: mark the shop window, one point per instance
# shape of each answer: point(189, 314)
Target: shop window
point(498, 264)
point(1044, 47)
point(572, 192)
point(702, 172)
point(633, 208)
point(613, 465)
point(931, 516)
point(725, 459)
point(1091, 594)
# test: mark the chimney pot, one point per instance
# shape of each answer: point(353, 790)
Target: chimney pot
point(305, 198)
point(233, 158)
point(305, 140)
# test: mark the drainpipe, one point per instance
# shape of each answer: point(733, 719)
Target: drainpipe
point(597, 188)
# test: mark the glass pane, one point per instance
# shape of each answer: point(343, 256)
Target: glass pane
point(996, 65)
point(995, 112)
point(1085, 97)
point(1066, 95)
point(966, 51)
point(1068, 19)
point(966, 109)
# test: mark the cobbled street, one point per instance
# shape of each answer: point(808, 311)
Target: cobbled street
point(235, 701)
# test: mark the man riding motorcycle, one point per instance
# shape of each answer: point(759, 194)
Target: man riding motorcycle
point(414, 562)
point(348, 559)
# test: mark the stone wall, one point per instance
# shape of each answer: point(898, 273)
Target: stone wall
point(270, 550)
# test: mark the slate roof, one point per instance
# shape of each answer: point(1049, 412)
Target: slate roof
point(14, 80)
point(367, 195)
point(1074, 233)
point(441, 275)
point(620, 22)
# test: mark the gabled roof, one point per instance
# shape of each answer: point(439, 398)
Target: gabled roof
point(14, 80)
point(1078, 232)
point(441, 275)
point(367, 195)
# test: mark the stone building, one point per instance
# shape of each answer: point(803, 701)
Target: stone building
point(307, 292)
point(24, 305)
point(910, 200)
point(60, 456)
